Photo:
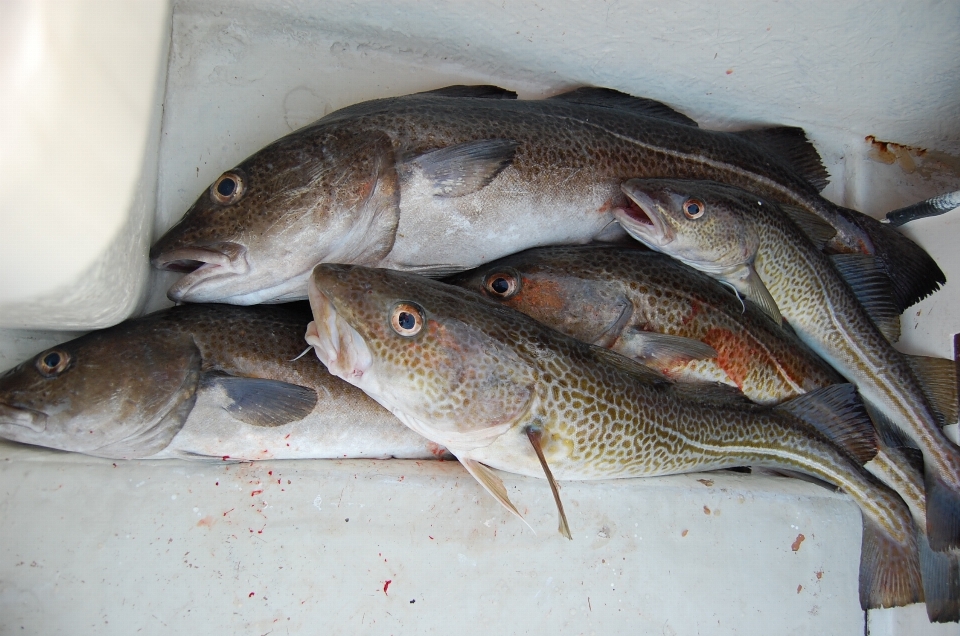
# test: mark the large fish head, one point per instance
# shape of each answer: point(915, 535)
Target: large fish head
point(555, 286)
point(434, 355)
point(256, 233)
point(699, 223)
point(118, 393)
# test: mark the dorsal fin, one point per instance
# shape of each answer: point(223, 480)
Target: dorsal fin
point(873, 289)
point(938, 380)
point(838, 413)
point(817, 230)
point(610, 98)
point(790, 144)
point(482, 91)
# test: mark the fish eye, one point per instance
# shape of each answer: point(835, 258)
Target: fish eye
point(693, 208)
point(227, 189)
point(407, 319)
point(502, 284)
point(52, 363)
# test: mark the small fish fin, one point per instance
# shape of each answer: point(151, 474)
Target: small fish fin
point(813, 227)
point(931, 207)
point(630, 366)
point(535, 435)
point(838, 413)
point(610, 98)
point(872, 288)
point(913, 274)
point(661, 351)
point(711, 392)
point(485, 91)
point(943, 513)
point(492, 484)
point(940, 572)
point(260, 402)
point(456, 171)
point(938, 380)
point(792, 474)
point(749, 284)
point(790, 143)
point(889, 570)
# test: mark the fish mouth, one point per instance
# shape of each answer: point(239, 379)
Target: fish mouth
point(642, 219)
point(337, 344)
point(15, 419)
point(205, 267)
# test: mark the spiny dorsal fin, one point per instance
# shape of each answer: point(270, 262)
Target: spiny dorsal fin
point(465, 168)
point(482, 91)
point(872, 288)
point(609, 98)
point(938, 379)
point(661, 351)
point(790, 143)
point(492, 484)
point(818, 231)
point(931, 207)
point(838, 413)
point(535, 435)
point(260, 402)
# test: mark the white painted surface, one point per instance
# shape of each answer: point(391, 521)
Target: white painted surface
point(113, 556)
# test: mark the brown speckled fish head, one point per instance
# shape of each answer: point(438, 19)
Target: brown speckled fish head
point(700, 223)
point(116, 393)
point(312, 196)
point(415, 346)
point(552, 286)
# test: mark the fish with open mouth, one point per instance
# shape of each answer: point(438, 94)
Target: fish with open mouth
point(446, 180)
point(501, 390)
point(198, 382)
point(837, 306)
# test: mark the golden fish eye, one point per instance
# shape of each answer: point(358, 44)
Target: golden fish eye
point(693, 208)
point(407, 319)
point(503, 284)
point(227, 189)
point(52, 363)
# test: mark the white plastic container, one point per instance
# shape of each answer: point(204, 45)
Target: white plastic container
point(115, 117)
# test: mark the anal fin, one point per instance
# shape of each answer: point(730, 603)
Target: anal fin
point(492, 484)
point(535, 435)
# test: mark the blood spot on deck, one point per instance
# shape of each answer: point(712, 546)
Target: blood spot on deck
point(386, 585)
point(796, 542)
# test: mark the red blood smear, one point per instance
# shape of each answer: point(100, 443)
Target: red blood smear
point(250, 595)
point(255, 493)
point(386, 585)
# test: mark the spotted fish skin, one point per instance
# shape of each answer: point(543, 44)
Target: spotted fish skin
point(187, 382)
point(477, 376)
point(599, 293)
point(739, 230)
point(436, 183)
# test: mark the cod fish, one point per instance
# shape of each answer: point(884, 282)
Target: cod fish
point(198, 382)
point(664, 314)
point(446, 180)
point(502, 391)
point(769, 253)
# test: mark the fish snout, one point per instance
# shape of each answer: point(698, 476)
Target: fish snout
point(14, 419)
point(642, 216)
point(201, 265)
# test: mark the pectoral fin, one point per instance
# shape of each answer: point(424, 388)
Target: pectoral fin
point(661, 351)
point(534, 435)
point(747, 282)
point(260, 402)
point(456, 171)
point(492, 484)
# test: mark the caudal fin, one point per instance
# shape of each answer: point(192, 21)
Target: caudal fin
point(941, 582)
point(913, 274)
point(889, 570)
point(943, 513)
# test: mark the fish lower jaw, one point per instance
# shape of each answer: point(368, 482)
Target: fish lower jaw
point(16, 422)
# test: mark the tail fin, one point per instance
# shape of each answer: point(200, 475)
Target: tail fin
point(889, 571)
point(941, 582)
point(912, 272)
point(943, 513)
